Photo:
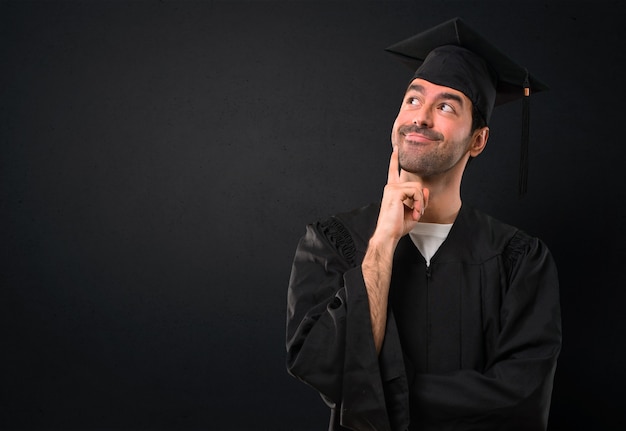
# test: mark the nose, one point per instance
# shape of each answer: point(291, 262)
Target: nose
point(423, 117)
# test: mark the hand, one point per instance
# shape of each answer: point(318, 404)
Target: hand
point(403, 203)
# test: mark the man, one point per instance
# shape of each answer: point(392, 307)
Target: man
point(423, 313)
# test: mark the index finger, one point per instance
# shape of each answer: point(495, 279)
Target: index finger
point(394, 171)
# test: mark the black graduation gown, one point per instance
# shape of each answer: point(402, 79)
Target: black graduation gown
point(471, 342)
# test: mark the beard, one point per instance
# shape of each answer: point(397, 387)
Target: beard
point(429, 160)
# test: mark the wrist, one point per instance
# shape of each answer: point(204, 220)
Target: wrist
point(383, 242)
point(381, 248)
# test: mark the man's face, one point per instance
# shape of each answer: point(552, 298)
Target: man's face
point(432, 129)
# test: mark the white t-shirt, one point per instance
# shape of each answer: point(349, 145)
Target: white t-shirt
point(428, 237)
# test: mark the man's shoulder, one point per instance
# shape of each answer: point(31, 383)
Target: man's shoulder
point(358, 224)
point(487, 221)
point(496, 235)
point(361, 217)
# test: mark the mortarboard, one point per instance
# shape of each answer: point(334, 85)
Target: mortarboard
point(454, 55)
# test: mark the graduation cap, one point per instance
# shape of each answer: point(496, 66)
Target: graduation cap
point(454, 55)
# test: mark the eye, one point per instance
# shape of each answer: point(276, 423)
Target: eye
point(446, 107)
point(412, 101)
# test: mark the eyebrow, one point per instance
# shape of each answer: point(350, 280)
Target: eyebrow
point(441, 96)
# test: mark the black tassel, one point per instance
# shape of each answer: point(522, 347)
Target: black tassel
point(523, 166)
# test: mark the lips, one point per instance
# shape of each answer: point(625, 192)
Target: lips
point(418, 137)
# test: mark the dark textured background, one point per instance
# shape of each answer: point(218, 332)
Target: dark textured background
point(159, 161)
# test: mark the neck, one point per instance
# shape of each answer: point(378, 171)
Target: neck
point(443, 207)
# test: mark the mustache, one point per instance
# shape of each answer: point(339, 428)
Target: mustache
point(427, 133)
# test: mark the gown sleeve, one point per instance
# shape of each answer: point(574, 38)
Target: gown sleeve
point(329, 344)
point(513, 392)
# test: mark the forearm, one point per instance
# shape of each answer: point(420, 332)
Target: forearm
point(328, 309)
point(489, 401)
point(376, 267)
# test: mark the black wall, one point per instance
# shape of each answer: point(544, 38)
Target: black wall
point(159, 161)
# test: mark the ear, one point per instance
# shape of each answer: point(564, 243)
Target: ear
point(479, 141)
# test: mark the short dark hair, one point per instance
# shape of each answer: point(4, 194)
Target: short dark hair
point(478, 121)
